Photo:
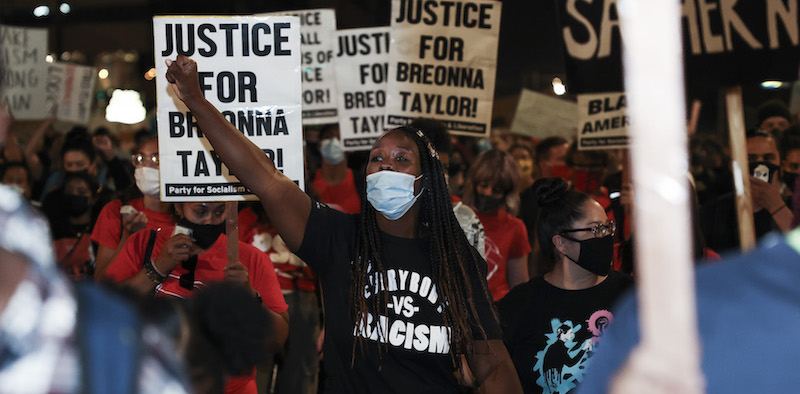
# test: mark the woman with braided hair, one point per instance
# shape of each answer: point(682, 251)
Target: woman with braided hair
point(405, 298)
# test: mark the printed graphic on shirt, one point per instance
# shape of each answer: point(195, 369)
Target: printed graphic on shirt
point(560, 366)
point(407, 326)
point(493, 258)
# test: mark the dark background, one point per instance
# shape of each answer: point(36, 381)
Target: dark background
point(117, 35)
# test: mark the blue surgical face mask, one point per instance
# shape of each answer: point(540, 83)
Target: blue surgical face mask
point(332, 150)
point(391, 193)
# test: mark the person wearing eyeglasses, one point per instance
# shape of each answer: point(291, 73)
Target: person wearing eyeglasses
point(139, 208)
point(553, 324)
point(173, 263)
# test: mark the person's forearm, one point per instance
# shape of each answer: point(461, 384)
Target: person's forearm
point(139, 283)
point(280, 329)
point(783, 218)
point(232, 147)
point(503, 379)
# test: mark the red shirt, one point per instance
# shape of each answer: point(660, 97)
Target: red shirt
point(343, 195)
point(209, 269)
point(293, 273)
point(506, 238)
point(108, 228)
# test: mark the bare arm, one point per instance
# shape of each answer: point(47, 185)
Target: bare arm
point(285, 204)
point(493, 369)
point(517, 271)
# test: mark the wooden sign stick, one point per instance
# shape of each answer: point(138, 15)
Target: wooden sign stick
point(741, 170)
point(232, 231)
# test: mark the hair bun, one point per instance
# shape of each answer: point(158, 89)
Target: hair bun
point(549, 190)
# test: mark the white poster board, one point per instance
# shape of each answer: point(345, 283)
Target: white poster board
point(602, 121)
point(317, 43)
point(362, 67)
point(70, 92)
point(443, 63)
point(23, 71)
point(249, 69)
point(541, 116)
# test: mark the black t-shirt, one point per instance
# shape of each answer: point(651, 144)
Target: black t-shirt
point(551, 332)
point(416, 358)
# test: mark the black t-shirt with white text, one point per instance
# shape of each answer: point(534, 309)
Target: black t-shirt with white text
point(416, 357)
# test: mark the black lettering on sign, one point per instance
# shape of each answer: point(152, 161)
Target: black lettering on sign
point(429, 74)
point(367, 124)
point(368, 99)
point(435, 104)
point(316, 96)
point(616, 122)
point(240, 87)
point(363, 44)
point(256, 123)
point(182, 39)
point(604, 105)
point(376, 72)
point(444, 48)
point(445, 13)
point(183, 125)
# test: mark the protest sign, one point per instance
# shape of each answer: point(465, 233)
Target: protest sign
point(602, 121)
point(724, 42)
point(443, 63)
point(362, 66)
point(70, 92)
point(249, 69)
point(541, 116)
point(317, 43)
point(23, 71)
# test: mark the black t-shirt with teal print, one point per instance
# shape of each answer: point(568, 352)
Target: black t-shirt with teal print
point(551, 333)
point(416, 357)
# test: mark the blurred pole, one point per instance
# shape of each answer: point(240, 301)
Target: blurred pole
point(740, 168)
point(667, 358)
point(232, 230)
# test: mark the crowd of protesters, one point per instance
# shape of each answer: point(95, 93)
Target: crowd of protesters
point(547, 236)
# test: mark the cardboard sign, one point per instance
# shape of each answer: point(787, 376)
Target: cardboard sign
point(724, 42)
point(249, 69)
point(443, 63)
point(602, 121)
point(362, 68)
point(70, 92)
point(23, 71)
point(542, 116)
point(317, 43)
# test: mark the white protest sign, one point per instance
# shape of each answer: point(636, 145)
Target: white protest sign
point(317, 43)
point(602, 122)
point(443, 63)
point(540, 115)
point(362, 66)
point(23, 71)
point(70, 91)
point(249, 69)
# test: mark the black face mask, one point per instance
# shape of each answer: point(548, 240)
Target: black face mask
point(595, 254)
point(75, 205)
point(485, 203)
point(204, 234)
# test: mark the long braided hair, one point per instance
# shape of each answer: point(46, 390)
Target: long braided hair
point(452, 260)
